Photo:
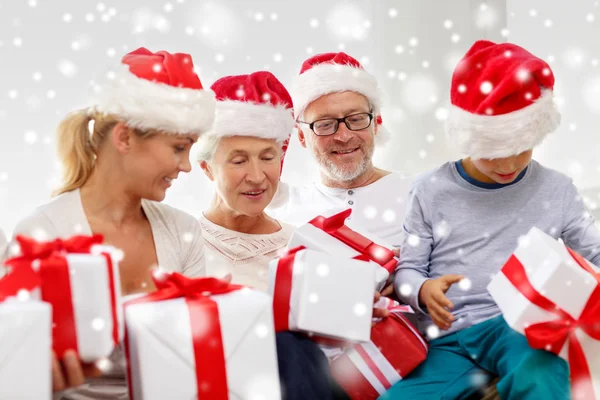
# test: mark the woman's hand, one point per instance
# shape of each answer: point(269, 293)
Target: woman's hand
point(71, 372)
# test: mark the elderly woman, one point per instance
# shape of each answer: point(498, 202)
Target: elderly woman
point(242, 155)
point(119, 158)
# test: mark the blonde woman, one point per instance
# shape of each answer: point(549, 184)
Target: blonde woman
point(119, 158)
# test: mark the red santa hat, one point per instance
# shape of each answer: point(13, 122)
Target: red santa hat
point(502, 101)
point(328, 73)
point(157, 91)
point(256, 105)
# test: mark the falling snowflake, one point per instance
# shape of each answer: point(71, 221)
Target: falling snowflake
point(323, 270)
point(442, 114)
point(67, 68)
point(465, 284)
point(486, 17)
point(406, 289)
point(413, 240)
point(314, 23)
point(389, 216)
point(23, 295)
point(574, 58)
point(360, 309)
point(370, 212)
point(313, 298)
point(261, 330)
point(393, 13)
point(524, 241)
point(486, 87)
point(433, 332)
point(31, 137)
point(98, 324)
point(103, 364)
point(448, 24)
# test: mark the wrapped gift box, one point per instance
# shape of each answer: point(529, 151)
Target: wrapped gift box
point(79, 278)
point(201, 339)
point(322, 294)
point(331, 235)
point(369, 369)
point(552, 295)
point(25, 332)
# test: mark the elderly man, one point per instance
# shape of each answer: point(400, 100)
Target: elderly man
point(337, 107)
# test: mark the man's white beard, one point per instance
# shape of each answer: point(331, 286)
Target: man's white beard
point(345, 173)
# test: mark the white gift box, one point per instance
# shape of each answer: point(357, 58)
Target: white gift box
point(161, 352)
point(79, 278)
point(25, 343)
point(554, 274)
point(330, 296)
point(95, 312)
point(313, 238)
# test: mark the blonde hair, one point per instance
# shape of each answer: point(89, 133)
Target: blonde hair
point(79, 137)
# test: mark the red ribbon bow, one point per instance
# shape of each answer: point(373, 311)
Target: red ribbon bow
point(53, 278)
point(370, 250)
point(553, 335)
point(16, 280)
point(209, 355)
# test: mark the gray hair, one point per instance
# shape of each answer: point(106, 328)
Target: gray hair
point(207, 146)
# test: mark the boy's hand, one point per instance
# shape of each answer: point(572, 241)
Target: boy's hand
point(432, 295)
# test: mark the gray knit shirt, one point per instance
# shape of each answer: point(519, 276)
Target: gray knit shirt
point(456, 225)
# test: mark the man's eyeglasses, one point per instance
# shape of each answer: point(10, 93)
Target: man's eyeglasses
point(329, 126)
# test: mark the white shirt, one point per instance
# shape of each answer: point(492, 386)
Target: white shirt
point(377, 208)
point(243, 255)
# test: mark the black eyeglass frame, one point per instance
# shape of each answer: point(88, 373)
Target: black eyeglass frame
point(338, 121)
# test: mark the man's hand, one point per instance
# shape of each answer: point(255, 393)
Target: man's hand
point(432, 295)
point(396, 251)
point(388, 290)
point(71, 372)
point(379, 312)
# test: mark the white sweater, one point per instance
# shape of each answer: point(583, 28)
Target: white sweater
point(179, 247)
point(245, 256)
point(177, 235)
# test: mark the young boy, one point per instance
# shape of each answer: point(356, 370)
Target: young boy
point(464, 220)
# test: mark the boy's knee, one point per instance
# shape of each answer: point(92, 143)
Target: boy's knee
point(542, 370)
